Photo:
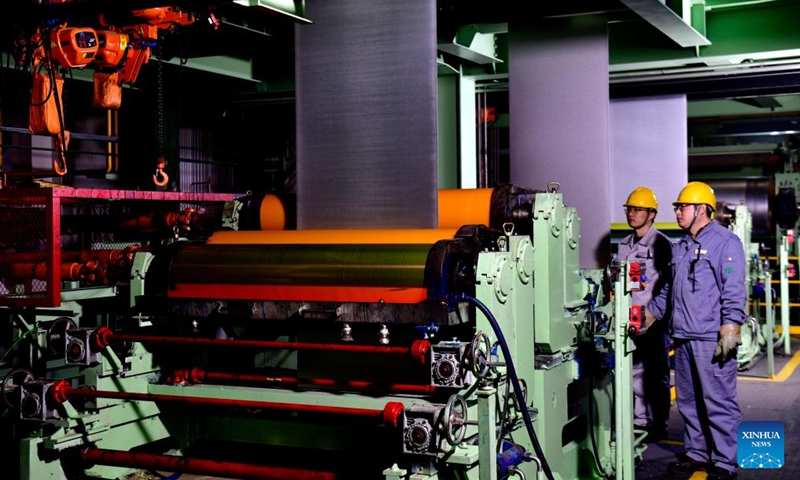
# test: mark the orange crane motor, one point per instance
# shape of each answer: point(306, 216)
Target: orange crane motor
point(73, 47)
point(111, 46)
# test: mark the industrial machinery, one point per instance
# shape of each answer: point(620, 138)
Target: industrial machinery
point(409, 354)
point(116, 45)
point(765, 209)
point(787, 214)
point(739, 220)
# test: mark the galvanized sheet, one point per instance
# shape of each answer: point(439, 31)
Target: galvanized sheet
point(366, 115)
point(558, 92)
point(648, 148)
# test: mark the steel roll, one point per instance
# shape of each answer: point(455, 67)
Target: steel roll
point(340, 265)
point(756, 193)
point(492, 207)
point(459, 207)
point(355, 273)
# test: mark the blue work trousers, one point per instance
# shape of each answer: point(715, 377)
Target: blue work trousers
point(651, 379)
point(707, 401)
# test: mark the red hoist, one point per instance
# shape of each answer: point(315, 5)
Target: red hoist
point(117, 52)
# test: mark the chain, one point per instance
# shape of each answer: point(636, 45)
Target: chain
point(160, 178)
point(160, 103)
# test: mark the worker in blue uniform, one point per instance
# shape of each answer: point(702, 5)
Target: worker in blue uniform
point(653, 251)
point(706, 299)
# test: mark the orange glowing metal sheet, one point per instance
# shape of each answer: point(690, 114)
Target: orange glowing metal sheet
point(272, 213)
point(300, 293)
point(459, 207)
point(332, 237)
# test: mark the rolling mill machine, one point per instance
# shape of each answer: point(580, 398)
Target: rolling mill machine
point(482, 351)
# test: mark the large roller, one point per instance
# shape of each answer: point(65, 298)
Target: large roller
point(355, 273)
point(420, 264)
point(492, 207)
point(756, 193)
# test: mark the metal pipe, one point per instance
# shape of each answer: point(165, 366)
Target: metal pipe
point(417, 350)
point(196, 375)
point(109, 144)
point(171, 463)
point(62, 391)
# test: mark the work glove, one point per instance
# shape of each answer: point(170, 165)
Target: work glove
point(649, 319)
point(729, 339)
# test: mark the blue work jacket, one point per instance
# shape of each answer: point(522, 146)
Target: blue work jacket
point(707, 287)
point(653, 251)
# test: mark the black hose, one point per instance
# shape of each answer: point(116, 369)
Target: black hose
point(512, 373)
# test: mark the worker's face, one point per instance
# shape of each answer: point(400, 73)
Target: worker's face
point(637, 216)
point(684, 214)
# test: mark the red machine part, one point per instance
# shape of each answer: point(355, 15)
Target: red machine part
point(33, 233)
point(91, 267)
point(636, 276)
point(73, 47)
point(418, 350)
point(196, 375)
point(197, 466)
point(636, 320)
point(62, 391)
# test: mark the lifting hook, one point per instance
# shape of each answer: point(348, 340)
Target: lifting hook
point(162, 163)
point(60, 159)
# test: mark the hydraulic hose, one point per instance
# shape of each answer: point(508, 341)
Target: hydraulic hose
point(512, 373)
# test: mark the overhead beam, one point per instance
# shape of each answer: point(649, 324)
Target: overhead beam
point(294, 9)
point(665, 20)
point(221, 65)
point(470, 44)
point(752, 35)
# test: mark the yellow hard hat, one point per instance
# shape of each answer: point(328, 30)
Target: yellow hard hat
point(697, 193)
point(642, 197)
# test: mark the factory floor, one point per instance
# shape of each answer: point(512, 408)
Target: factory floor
point(760, 399)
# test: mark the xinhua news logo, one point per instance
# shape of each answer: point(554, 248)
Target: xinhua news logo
point(760, 445)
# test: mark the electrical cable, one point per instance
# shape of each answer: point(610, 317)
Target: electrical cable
point(512, 373)
point(15, 344)
point(592, 321)
point(504, 417)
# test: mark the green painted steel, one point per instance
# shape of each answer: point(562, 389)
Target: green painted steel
point(753, 33)
point(447, 132)
point(623, 375)
point(487, 432)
